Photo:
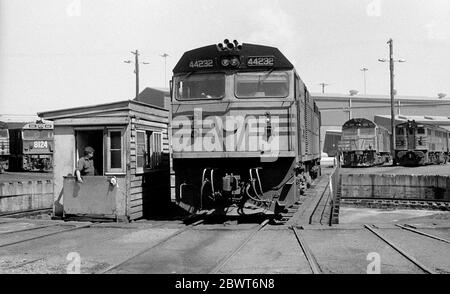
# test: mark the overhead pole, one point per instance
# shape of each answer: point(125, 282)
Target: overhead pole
point(136, 69)
point(391, 71)
point(392, 94)
point(364, 69)
point(165, 55)
point(323, 86)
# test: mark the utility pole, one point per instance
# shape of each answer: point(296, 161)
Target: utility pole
point(392, 93)
point(364, 69)
point(323, 86)
point(165, 55)
point(136, 68)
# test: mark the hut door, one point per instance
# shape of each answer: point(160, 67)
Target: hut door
point(93, 138)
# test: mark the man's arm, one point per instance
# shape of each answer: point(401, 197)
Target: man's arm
point(78, 174)
point(80, 166)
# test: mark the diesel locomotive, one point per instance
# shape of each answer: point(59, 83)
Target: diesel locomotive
point(31, 147)
point(364, 143)
point(419, 143)
point(244, 126)
point(4, 147)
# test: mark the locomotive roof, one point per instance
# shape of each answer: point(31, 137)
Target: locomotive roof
point(359, 123)
point(214, 53)
point(414, 124)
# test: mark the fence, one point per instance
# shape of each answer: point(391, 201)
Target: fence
point(25, 196)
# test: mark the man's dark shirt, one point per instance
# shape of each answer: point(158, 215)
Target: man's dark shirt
point(86, 166)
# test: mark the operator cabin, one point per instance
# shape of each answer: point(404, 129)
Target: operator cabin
point(131, 160)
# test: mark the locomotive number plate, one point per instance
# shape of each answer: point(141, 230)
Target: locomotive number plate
point(201, 63)
point(260, 61)
point(40, 144)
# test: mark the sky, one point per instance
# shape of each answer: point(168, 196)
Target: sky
point(57, 54)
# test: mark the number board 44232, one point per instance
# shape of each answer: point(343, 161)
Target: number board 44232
point(204, 63)
point(260, 61)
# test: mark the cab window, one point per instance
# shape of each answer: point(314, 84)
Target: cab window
point(367, 131)
point(261, 84)
point(200, 86)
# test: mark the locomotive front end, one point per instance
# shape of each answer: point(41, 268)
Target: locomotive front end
point(359, 143)
point(233, 130)
point(37, 144)
point(418, 144)
point(4, 147)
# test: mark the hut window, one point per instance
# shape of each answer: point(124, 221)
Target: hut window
point(155, 150)
point(149, 150)
point(141, 150)
point(115, 151)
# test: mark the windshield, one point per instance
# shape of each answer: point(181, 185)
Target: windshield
point(262, 84)
point(201, 86)
point(367, 131)
point(350, 132)
point(4, 133)
point(37, 134)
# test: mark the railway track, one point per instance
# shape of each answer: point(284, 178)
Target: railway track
point(398, 203)
point(43, 235)
point(145, 250)
point(400, 250)
point(414, 230)
point(312, 261)
point(227, 258)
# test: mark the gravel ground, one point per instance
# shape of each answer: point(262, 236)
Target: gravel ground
point(347, 251)
point(432, 253)
point(98, 248)
point(191, 252)
point(270, 252)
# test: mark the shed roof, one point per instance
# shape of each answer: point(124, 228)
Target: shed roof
point(420, 118)
point(99, 109)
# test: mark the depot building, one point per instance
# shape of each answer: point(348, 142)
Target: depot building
point(336, 109)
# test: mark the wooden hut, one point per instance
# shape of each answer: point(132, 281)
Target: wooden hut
point(131, 160)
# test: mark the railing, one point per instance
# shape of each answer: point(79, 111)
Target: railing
point(334, 186)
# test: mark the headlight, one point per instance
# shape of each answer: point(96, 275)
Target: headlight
point(225, 62)
point(235, 62)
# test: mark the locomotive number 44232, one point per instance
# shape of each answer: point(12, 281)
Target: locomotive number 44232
point(201, 63)
point(40, 144)
point(260, 61)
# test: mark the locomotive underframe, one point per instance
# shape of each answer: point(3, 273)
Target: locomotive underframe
point(4, 163)
point(420, 157)
point(363, 158)
point(37, 162)
point(218, 183)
